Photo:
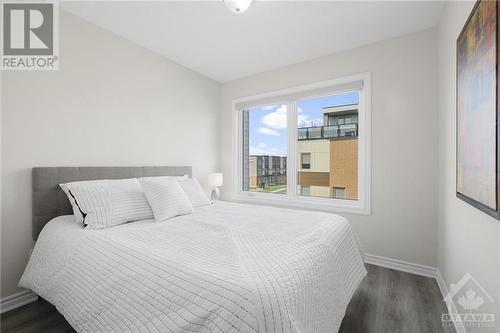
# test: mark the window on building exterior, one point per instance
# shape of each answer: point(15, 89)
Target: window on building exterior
point(264, 149)
point(305, 159)
point(305, 190)
point(312, 150)
point(339, 192)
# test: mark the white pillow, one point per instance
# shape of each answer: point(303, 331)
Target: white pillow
point(88, 183)
point(166, 198)
point(92, 183)
point(194, 192)
point(163, 178)
point(106, 203)
point(76, 209)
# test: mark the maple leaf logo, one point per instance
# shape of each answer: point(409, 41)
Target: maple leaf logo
point(470, 301)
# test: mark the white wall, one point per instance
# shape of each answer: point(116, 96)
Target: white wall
point(404, 148)
point(469, 240)
point(112, 103)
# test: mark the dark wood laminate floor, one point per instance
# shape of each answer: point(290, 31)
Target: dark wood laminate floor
point(387, 301)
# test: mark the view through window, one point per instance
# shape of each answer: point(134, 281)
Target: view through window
point(326, 151)
point(327, 136)
point(265, 149)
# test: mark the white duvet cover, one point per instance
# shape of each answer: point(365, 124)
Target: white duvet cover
point(224, 268)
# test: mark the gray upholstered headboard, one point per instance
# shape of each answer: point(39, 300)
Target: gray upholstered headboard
point(50, 201)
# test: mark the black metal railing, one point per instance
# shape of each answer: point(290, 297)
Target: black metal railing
point(327, 132)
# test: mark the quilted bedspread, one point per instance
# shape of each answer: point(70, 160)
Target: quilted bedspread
point(224, 268)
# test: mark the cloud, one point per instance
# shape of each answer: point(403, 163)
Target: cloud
point(276, 119)
point(269, 107)
point(267, 131)
point(264, 149)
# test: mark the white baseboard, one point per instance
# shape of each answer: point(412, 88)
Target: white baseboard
point(16, 300)
point(417, 269)
point(402, 266)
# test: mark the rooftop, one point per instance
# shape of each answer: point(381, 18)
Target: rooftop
point(340, 108)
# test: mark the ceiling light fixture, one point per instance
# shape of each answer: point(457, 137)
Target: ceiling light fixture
point(237, 6)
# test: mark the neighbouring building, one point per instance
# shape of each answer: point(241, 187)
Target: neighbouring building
point(327, 157)
point(266, 170)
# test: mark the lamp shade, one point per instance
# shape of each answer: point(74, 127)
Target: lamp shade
point(238, 6)
point(215, 179)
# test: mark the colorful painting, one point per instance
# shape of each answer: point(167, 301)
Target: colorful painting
point(477, 109)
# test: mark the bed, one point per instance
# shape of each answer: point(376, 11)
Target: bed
point(226, 267)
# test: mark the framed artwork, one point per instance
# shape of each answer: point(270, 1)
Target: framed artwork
point(478, 135)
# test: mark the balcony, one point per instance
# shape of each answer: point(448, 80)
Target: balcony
point(327, 132)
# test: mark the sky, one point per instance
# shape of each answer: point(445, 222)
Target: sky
point(268, 123)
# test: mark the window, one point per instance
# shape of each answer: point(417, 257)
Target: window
point(305, 190)
point(339, 192)
point(264, 148)
point(306, 147)
point(305, 160)
point(332, 120)
point(331, 143)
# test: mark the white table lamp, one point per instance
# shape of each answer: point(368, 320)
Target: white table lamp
point(215, 180)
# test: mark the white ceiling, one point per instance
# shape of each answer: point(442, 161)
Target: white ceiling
point(209, 39)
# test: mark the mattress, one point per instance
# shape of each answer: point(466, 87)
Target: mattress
point(225, 268)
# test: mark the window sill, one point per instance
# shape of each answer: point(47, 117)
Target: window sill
point(306, 203)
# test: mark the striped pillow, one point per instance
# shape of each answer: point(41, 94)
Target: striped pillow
point(167, 199)
point(66, 189)
point(165, 178)
point(105, 204)
point(194, 192)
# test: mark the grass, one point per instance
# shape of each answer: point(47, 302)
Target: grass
point(271, 188)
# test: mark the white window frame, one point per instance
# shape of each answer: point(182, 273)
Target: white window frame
point(361, 206)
